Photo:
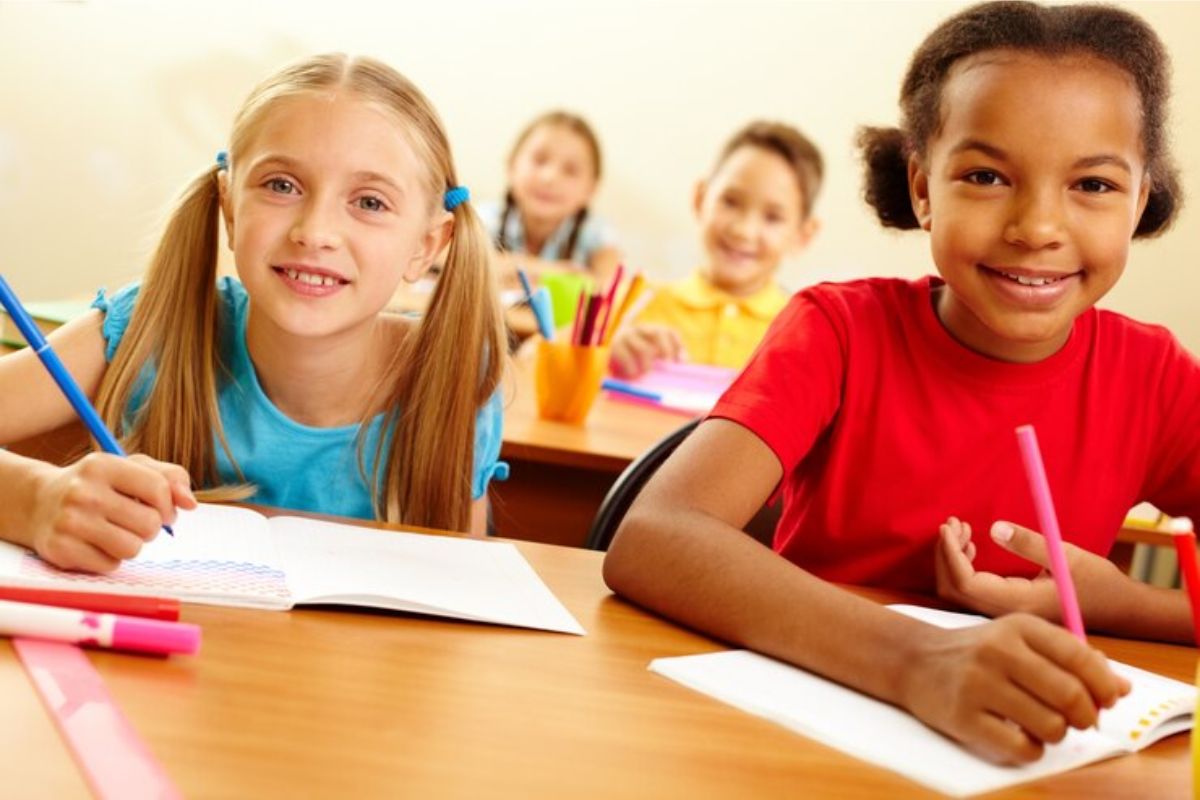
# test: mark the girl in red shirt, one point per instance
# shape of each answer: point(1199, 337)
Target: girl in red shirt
point(1032, 151)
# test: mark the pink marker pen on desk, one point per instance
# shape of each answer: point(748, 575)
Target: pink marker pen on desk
point(114, 631)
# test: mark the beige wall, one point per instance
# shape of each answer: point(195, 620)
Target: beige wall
point(106, 109)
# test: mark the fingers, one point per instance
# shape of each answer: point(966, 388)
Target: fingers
point(623, 361)
point(1001, 742)
point(1020, 541)
point(102, 509)
point(1088, 667)
point(154, 483)
point(67, 552)
point(1041, 721)
point(955, 567)
point(1007, 687)
point(182, 496)
point(634, 351)
point(670, 345)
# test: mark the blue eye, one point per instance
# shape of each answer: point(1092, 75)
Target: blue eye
point(281, 185)
point(370, 203)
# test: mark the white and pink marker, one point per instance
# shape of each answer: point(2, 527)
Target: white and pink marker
point(115, 631)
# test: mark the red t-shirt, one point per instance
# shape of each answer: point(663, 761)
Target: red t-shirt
point(885, 426)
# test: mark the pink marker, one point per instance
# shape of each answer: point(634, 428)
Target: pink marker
point(1039, 487)
point(115, 631)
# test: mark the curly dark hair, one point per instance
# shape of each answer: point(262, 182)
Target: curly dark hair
point(1112, 34)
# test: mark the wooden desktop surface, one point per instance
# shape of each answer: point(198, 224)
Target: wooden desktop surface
point(332, 703)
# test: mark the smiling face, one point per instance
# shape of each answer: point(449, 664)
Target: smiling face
point(326, 212)
point(552, 174)
point(751, 215)
point(1031, 191)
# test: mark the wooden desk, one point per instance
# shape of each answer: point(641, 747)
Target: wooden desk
point(561, 472)
point(326, 703)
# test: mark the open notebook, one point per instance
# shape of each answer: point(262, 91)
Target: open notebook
point(223, 555)
point(690, 389)
point(889, 737)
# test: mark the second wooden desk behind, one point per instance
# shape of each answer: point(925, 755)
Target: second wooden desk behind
point(560, 473)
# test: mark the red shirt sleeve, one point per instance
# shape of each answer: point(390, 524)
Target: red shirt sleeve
point(791, 388)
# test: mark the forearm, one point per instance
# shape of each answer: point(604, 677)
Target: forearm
point(1137, 610)
point(696, 569)
point(18, 495)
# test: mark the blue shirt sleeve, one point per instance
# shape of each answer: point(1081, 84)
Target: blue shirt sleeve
point(594, 235)
point(117, 311)
point(489, 429)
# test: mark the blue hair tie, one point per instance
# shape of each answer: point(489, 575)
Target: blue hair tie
point(222, 160)
point(455, 197)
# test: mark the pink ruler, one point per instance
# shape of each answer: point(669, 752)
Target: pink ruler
point(114, 759)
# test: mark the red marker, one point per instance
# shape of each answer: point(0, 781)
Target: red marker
point(1185, 547)
point(133, 605)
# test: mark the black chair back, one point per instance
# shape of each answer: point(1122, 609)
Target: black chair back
point(629, 484)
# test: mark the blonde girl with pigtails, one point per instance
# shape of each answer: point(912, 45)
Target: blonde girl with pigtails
point(290, 385)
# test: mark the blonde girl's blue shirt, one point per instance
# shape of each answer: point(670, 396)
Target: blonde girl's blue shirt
point(595, 234)
point(291, 465)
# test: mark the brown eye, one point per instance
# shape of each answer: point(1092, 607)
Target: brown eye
point(983, 177)
point(1095, 186)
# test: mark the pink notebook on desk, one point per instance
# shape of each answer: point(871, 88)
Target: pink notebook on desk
point(690, 389)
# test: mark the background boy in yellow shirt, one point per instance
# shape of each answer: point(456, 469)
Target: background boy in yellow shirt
point(754, 210)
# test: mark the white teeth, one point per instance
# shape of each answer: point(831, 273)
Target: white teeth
point(310, 278)
point(1026, 281)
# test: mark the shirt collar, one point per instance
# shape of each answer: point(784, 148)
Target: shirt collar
point(697, 292)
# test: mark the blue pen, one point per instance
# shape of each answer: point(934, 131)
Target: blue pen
point(539, 303)
point(525, 284)
point(621, 387)
point(75, 396)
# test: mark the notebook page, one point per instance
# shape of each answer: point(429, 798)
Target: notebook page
point(1155, 708)
point(461, 578)
point(862, 726)
point(220, 555)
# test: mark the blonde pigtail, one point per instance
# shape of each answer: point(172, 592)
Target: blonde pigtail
point(451, 365)
point(174, 327)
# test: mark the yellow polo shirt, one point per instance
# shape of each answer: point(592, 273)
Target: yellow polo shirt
point(716, 327)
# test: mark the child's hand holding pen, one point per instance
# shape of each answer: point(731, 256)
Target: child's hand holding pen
point(635, 348)
point(100, 510)
point(1007, 688)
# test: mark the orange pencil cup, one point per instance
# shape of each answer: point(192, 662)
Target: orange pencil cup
point(568, 379)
